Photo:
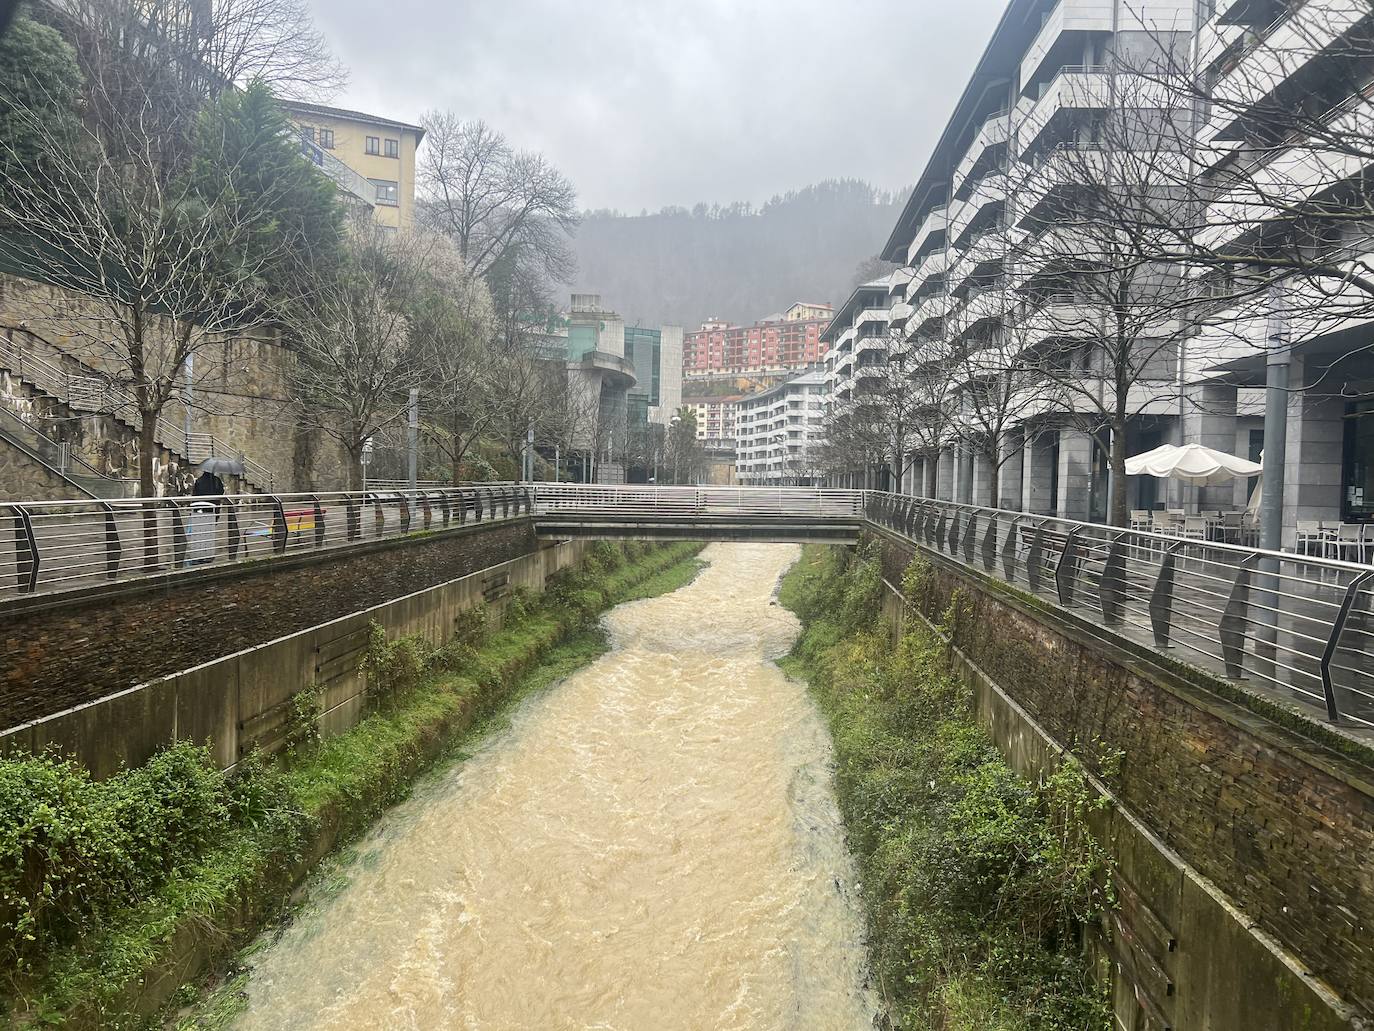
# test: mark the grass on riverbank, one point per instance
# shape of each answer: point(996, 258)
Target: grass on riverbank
point(114, 894)
point(976, 882)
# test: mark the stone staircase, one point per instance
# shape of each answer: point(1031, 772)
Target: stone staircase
point(90, 392)
point(58, 461)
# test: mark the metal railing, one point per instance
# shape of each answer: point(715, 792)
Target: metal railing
point(49, 547)
point(649, 500)
point(1300, 627)
point(93, 393)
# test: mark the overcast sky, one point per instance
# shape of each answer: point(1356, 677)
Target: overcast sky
point(644, 103)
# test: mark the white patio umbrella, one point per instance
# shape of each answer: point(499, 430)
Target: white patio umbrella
point(1192, 463)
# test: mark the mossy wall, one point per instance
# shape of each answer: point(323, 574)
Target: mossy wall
point(1243, 850)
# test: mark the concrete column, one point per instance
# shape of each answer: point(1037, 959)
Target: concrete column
point(931, 472)
point(1009, 482)
point(944, 478)
point(1315, 454)
point(1038, 474)
point(1209, 419)
point(982, 481)
point(965, 476)
point(1075, 474)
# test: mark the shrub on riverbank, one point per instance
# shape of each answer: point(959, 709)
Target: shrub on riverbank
point(976, 882)
point(106, 888)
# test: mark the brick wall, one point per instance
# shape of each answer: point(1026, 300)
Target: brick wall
point(1281, 825)
point(63, 656)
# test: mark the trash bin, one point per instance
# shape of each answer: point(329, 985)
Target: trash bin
point(202, 531)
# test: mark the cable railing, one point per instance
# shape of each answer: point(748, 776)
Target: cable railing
point(1300, 627)
point(56, 546)
point(93, 393)
point(705, 501)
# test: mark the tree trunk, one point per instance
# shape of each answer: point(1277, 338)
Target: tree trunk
point(994, 479)
point(355, 464)
point(1117, 514)
point(147, 427)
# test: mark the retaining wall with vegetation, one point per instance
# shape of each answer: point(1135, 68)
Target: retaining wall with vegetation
point(117, 893)
point(1241, 840)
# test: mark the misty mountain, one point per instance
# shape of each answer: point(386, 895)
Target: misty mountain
point(737, 262)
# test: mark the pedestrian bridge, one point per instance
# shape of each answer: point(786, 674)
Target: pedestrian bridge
point(1297, 626)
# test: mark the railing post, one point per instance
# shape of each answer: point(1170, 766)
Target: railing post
point(378, 516)
point(279, 530)
point(462, 507)
point(990, 544)
point(353, 517)
point(505, 502)
point(405, 512)
point(235, 537)
point(426, 514)
point(951, 541)
point(1333, 711)
point(25, 551)
point(1009, 546)
point(180, 536)
point(444, 510)
point(1162, 596)
point(1033, 565)
point(935, 528)
point(319, 520)
point(113, 549)
point(970, 531)
point(1066, 568)
point(1232, 628)
point(1112, 588)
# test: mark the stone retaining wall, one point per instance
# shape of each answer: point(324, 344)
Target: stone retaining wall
point(1245, 851)
point(75, 651)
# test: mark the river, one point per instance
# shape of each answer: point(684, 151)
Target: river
point(652, 844)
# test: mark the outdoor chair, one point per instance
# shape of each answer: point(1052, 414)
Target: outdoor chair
point(1311, 538)
point(1195, 528)
point(1140, 519)
point(1232, 529)
point(1350, 542)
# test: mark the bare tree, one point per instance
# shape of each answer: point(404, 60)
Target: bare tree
point(497, 204)
point(138, 259)
point(1102, 314)
point(354, 332)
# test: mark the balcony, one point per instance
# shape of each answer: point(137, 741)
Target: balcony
point(1059, 317)
point(898, 314)
point(933, 264)
point(1067, 16)
point(871, 317)
point(977, 314)
point(930, 233)
point(870, 345)
point(1262, 58)
point(993, 133)
point(1073, 88)
point(930, 309)
point(982, 258)
point(991, 192)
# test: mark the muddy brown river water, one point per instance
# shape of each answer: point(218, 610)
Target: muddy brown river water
point(652, 844)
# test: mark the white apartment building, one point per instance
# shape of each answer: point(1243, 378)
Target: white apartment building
point(977, 248)
point(857, 336)
point(715, 416)
point(967, 242)
point(776, 431)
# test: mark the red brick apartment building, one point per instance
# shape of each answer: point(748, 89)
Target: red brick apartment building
point(777, 344)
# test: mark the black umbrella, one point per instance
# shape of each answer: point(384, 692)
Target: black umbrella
point(222, 466)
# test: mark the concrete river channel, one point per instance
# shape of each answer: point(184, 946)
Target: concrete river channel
point(653, 843)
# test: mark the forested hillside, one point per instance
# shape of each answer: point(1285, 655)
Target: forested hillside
point(738, 262)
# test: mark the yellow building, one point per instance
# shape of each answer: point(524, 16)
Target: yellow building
point(369, 157)
point(804, 310)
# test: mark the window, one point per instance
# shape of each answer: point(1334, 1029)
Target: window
point(393, 148)
point(327, 139)
point(374, 145)
point(387, 192)
point(308, 133)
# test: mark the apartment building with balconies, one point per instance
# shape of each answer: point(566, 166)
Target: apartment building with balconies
point(777, 431)
point(372, 159)
point(988, 267)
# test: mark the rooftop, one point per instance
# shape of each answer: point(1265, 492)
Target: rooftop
point(324, 111)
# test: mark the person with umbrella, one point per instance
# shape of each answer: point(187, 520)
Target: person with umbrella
point(205, 512)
